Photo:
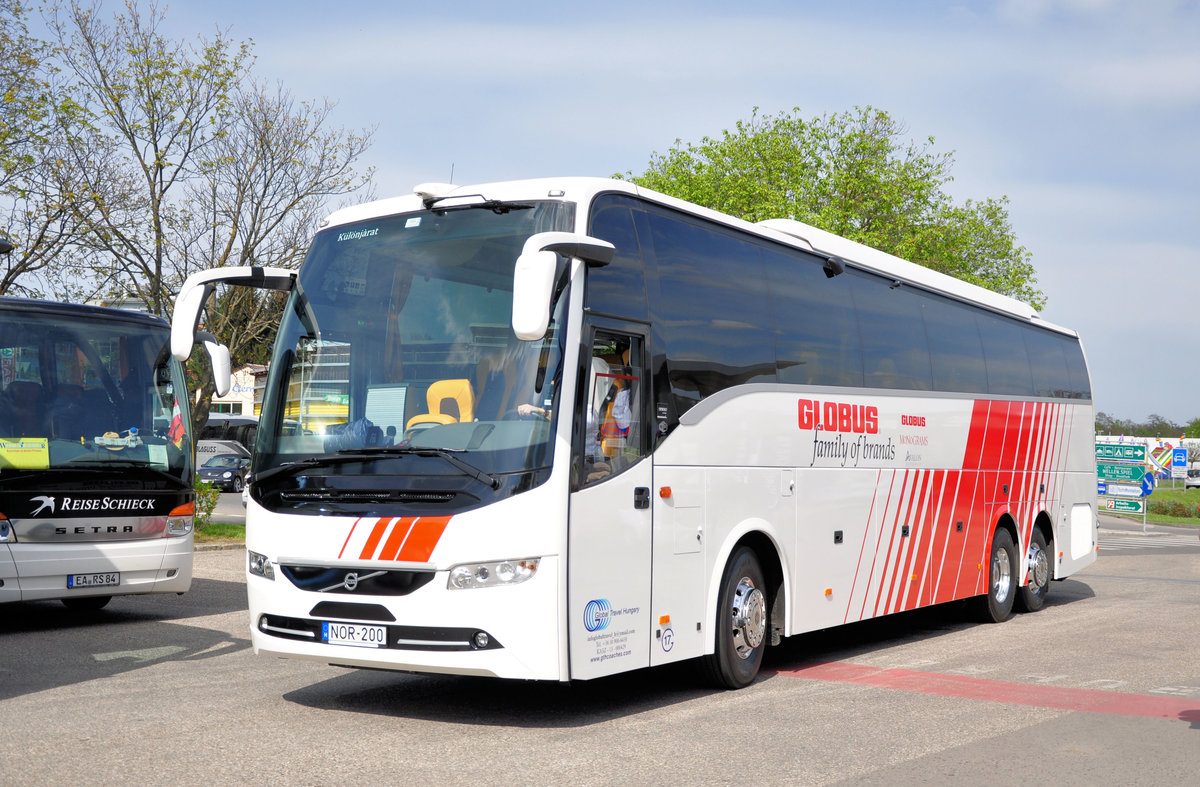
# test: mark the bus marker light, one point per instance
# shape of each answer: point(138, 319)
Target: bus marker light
point(664, 620)
point(664, 492)
point(828, 592)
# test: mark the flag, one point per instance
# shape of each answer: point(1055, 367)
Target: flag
point(176, 431)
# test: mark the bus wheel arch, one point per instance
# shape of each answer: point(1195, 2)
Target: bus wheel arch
point(1038, 562)
point(749, 612)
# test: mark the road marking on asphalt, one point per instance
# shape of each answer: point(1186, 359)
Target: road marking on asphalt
point(1147, 542)
point(985, 690)
point(141, 656)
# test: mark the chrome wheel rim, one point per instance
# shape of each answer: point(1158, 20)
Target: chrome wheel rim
point(1039, 567)
point(1001, 576)
point(749, 618)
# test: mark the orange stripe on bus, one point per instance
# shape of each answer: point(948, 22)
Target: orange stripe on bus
point(426, 533)
point(395, 541)
point(377, 532)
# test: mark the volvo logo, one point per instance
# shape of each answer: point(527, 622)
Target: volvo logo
point(351, 581)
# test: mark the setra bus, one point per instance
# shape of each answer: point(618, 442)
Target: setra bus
point(559, 429)
point(96, 468)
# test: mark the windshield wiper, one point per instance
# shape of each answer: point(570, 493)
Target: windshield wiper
point(495, 205)
point(368, 454)
point(105, 466)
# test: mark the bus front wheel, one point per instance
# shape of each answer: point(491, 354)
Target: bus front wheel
point(997, 604)
point(741, 624)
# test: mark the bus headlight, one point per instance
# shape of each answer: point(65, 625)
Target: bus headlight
point(7, 535)
point(179, 521)
point(259, 565)
point(486, 575)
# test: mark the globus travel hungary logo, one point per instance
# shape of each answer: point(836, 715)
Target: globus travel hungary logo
point(597, 614)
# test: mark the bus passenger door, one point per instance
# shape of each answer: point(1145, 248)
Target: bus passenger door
point(608, 569)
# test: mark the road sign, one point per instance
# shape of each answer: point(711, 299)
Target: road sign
point(1101, 488)
point(1111, 471)
point(1148, 485)
point(1125, 490)
point(1125, 506)
point(1179, 463)
point(1121, 451)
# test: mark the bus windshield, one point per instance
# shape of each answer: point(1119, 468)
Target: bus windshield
point(396, 356)
point(86, 392)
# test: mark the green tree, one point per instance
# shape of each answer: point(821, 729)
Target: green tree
point(852, 174)
point(183, 161)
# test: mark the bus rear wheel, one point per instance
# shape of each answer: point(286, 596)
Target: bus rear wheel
point(741, 624)
point(997, 604)
point(86, 603)
point(1032, 596)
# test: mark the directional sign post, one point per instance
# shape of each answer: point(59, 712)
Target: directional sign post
point(1122, 478)
point(1126, 506)
point(1123, 452)
point(1113, 471)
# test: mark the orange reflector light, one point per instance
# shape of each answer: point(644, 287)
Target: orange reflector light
point(664, 492)
point(187, 509)
point(664, 620)
point(828, 591)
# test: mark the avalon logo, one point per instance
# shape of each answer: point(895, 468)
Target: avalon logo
point(46, 502)
point(597, 615)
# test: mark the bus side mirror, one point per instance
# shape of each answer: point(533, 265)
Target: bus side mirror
point(218, 357)
point(195, 291)
point(533, 286)
point(536, 271)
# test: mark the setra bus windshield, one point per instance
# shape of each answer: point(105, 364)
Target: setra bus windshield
point(396, 361)
point(84, 392)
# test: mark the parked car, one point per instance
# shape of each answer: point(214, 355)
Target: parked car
point(1193, 480)
point(226, 472)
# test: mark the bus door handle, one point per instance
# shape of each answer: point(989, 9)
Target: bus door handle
point(641, 497)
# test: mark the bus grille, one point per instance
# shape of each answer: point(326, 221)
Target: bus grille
point(356, 581)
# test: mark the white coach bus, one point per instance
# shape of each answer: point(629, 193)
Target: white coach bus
point(559, 429)
point(96, 469)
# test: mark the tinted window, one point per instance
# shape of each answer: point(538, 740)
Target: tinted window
point(711, 314)
point(1081, 386)
point(895, 353)
point(1047, 364)
point(1005, 356)
point(955, 351)
point(619, 287)
point(816, 335)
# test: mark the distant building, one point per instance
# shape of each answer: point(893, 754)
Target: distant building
point(240, 399)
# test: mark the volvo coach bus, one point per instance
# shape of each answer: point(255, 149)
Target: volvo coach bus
point(559, 429)
point(96, 471)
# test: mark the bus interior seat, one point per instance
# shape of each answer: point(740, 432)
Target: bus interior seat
point(66, 412)
point(449, 401)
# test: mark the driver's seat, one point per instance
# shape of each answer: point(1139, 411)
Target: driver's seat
point(450, 401)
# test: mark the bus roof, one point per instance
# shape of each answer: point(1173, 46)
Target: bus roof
point(79, 310)
point(787, 231)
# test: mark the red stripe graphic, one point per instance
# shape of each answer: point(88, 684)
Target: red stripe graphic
point(407, 538)
point(982, 689)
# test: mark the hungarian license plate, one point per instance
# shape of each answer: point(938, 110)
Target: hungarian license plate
point(93, 580)
point(354, 634)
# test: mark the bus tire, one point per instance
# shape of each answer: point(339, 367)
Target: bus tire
point(86, 603)
point(1032, 596)
point(741, 624)
point(997, 604)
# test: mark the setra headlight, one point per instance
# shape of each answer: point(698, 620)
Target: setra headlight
point(485, 575)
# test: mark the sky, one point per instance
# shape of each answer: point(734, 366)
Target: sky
point(1084, 113)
